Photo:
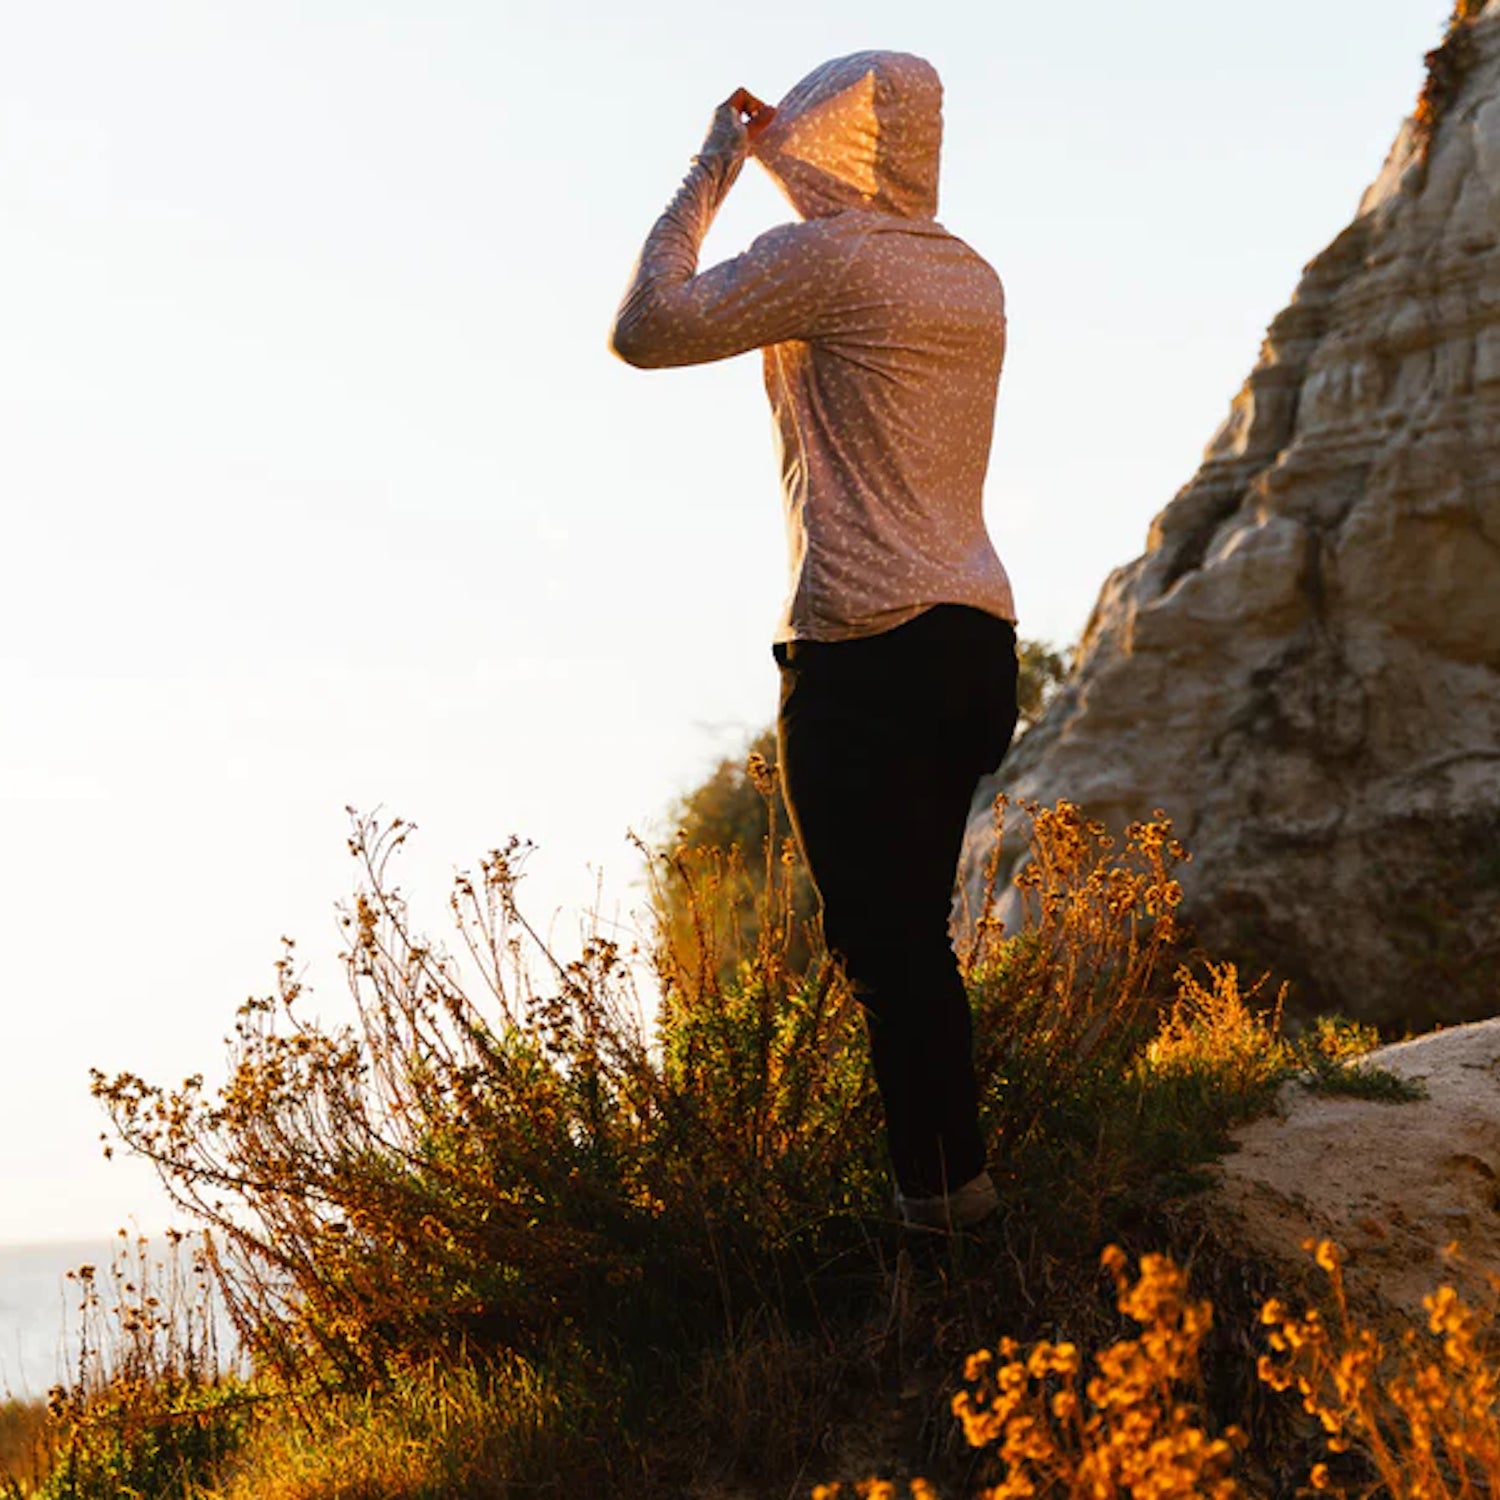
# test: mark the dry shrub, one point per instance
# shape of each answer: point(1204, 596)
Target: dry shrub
point(500, 1153)
point(1071, 993)
point(1215, 1038)
point(501, 1150)
point(762, 1044)
point(1108, 1063)
point(154, 1403)
point(736, 815)
point(1215, 1031)
point(1421, 1408)
point(1411, 1416)
point(1130, 1428)
point(1062, 1008)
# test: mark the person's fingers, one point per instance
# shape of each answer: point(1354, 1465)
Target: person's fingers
point(759, 120)
point(758, 113)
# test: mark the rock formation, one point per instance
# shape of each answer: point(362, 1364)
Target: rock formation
point(1303, 669)
point(1392, 1184)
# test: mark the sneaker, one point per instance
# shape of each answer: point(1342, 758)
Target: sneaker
point(974, 1201)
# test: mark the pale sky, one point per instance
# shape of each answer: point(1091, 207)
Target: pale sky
point(320, 486)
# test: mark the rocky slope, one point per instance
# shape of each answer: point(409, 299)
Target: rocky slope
point(1303, 668)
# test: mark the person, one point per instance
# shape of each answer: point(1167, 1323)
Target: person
point(882, 339)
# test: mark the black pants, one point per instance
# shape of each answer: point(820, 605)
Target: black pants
point(881, 741)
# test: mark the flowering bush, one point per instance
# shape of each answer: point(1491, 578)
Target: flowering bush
point(1130, 1428)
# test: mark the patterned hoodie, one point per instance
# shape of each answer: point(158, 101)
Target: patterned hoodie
point(882, 337)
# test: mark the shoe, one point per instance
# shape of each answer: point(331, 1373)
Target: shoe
point(976, 1200)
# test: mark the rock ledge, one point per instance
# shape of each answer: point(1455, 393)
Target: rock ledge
point(1394, 1184)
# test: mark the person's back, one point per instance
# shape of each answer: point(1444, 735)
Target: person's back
point(883, 339)
point(883, 426)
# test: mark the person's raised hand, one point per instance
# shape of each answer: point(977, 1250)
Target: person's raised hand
point(756, 113)
point(736, 122)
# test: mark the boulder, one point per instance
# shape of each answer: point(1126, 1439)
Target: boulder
point(1395, 1185)
point(1303, 667)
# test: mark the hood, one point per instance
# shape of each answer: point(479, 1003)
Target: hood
point(862, 131)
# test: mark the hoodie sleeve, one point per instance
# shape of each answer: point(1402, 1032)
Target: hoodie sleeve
point(782, 287)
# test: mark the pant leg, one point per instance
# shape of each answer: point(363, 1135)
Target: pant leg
point(881, 742)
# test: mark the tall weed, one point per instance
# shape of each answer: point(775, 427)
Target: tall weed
point(153, 1404)
point(501, 1150)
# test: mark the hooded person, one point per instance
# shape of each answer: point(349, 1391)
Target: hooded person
point(882, 338)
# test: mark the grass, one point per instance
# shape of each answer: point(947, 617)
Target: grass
point(503, 1234)
point(450, 1427)
point(22, 1433)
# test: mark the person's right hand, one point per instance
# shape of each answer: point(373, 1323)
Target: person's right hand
point(757, 115)
point(736, 122)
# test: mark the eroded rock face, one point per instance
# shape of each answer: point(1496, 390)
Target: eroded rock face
point(1303, 669)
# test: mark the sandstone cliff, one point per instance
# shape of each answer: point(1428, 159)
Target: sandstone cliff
point(1303, 669)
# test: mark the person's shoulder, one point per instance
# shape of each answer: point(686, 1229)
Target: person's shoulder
point(831, 232)
point(868, 242)
point(920, 241)
point(975, 263)
point(967, 248)
point(922, 235)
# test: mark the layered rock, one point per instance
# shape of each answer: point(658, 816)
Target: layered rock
point(1303, 669)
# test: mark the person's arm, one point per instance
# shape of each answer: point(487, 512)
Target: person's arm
point(778, 289)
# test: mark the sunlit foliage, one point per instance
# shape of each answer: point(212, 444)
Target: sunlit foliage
point(509, 1221)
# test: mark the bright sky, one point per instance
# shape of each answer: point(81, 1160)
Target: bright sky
point(320, 486)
